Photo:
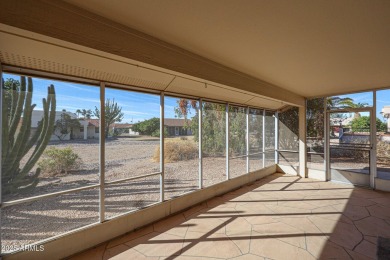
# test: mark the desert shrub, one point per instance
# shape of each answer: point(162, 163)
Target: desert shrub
point(156, 133)
point(177, 150)
point(56, 161)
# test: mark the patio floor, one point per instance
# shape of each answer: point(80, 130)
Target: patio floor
point(278, 217)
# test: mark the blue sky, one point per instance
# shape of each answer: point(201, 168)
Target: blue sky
point(382, 99)
point(72, 96)
point(140, 106)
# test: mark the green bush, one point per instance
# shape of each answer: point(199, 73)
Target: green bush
point(56, 161)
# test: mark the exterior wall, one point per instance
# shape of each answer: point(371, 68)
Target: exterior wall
point(92, 133)
point(131, 132)
point(349, 138)
point(385, 138)
point(181, 131)
point(37, 116)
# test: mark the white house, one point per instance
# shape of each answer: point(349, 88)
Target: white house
point(89, 128)
point(386, 114)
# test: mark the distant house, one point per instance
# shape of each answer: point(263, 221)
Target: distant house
point(177, 127)
point(123, 128)
point(89, 128)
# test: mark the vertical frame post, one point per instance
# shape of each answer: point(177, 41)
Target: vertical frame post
point(373, 159)
point(276, 137)
point(247, 141)
point(102, 144)
point(162, 174)
point(1, 155)
point(302, 141)
point(263, 148)
point(200, 137)
point(326, 142)
point(227, 141)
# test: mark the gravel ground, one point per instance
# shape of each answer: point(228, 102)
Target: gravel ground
point(125, 157)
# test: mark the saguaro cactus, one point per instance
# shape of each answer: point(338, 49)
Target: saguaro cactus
point(17, 140)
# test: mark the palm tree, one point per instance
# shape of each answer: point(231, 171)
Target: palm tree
point(78, 112)
point(86, 113)
point(337, 102)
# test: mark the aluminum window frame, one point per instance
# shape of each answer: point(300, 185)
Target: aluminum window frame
point(103, 184)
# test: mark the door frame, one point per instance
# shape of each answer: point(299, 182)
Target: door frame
point(372, 161)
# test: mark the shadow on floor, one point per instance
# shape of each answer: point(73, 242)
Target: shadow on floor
point(278, 217)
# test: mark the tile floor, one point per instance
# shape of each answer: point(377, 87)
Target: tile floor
point(279, 217)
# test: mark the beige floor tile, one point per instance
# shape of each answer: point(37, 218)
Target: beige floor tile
point(193, 210)
point(301, 223)
point(373, 226)
point(360, 201)
point(215, 245)
point(320, 201)
point(247, 257)
point(130, 236)
point(281, 231)
point(238, 224)
point(340, 233)
point(116, 250)
point(366, 193)
point(331, 213)
point(242, 239)
point(371, 239)
point(315, 244)
point(141, 239)
point(260, 220)
point(161, 245)
point(297, 204)
point(206, 224)
point(333, 251)
point(352, 212)
point(132, 254)
point(366, 248)
point(184, 257)
point(346, 235)
point(276, 249)
point(380, 211)
point(253, 210)
point(270, 219)
point(289, 211)
point(385, 200)
point(357, 256)
point(326, 226)
point(95, 253)
point(174, 225)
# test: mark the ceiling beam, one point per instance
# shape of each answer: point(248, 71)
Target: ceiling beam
point(66, 22)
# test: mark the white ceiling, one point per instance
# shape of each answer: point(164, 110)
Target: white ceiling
point(312, 48)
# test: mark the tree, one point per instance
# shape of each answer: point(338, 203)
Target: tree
point(214, 126)
point(86, 113)
point(289, 129)
point(65, 125)
point(78, 112)
point(18, 141)
point(315, 118)
point(337, 102)
point(148, 127)
point(113, 114)
point(362, 124)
